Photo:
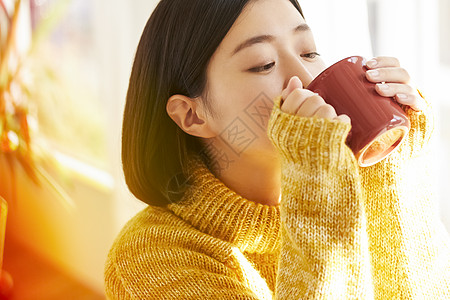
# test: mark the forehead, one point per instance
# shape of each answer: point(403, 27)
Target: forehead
point(264, 17)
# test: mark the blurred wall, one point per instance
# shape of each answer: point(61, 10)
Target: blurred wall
point(74, 234)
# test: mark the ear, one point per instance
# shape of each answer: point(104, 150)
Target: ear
point(189, 116)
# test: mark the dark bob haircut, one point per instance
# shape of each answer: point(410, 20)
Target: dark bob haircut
point(172, 57)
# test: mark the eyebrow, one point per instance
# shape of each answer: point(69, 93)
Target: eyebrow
point(267, 38)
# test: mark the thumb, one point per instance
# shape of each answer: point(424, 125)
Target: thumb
point(294, 83)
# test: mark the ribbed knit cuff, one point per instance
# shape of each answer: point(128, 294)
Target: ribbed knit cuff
point(309, 141)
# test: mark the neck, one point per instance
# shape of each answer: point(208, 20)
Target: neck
point(256, 179)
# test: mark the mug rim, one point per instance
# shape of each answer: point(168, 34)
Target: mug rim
point(360, 155)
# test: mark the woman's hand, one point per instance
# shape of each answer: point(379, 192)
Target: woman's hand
point(393, 81)
point(304, 103)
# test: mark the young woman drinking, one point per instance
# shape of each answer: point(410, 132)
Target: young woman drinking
point(252, 191)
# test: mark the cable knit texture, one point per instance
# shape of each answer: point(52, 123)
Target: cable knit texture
point(340, 232)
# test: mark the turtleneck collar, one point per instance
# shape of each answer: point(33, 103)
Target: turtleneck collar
point(215, 209)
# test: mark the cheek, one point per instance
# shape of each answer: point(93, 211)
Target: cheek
point(236, 93)
point(245, 106)
point(270, 86)
point(244, 96)
point(317, 68)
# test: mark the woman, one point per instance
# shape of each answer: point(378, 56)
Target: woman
point(252, 192)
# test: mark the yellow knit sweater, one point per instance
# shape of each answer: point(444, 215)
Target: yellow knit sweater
point(340, 232)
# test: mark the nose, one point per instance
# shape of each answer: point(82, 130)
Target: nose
point(295, 66)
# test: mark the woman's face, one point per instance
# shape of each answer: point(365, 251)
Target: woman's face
point(267, 45)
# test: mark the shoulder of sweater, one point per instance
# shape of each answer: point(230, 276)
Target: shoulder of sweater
point(157, 229)
point(158, 248)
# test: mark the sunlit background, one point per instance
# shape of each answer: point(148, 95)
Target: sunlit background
point(75, 58)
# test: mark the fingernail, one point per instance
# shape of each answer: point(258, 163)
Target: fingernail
point(295, 79)
point(402, 96)
point(373, 73)
point(372, 63)
point(383, 86)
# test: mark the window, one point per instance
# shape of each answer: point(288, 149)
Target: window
point(444, 32)
point(418, 32)
point(71, 113)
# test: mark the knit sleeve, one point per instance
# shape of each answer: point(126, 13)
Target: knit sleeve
point(408, 242)
point(325, 253)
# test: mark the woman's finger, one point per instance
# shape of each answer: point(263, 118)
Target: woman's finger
point(326, 112)
point(310, 106)
point(305, 103)
point(411, 100)
point(294, 83)
point(343, 118)
point(403, 93)
point(388, 74)
point(383, 62)
point(295, 100)
point(392, 89)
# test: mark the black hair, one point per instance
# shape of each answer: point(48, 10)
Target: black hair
point(175, 48)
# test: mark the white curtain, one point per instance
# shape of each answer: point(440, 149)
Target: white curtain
point(340, 28)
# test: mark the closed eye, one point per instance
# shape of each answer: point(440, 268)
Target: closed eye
point(310, 55)
point(262, 68)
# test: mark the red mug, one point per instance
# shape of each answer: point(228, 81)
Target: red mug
point(379, 124)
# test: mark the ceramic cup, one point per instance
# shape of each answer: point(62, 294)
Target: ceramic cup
point(379, 124)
